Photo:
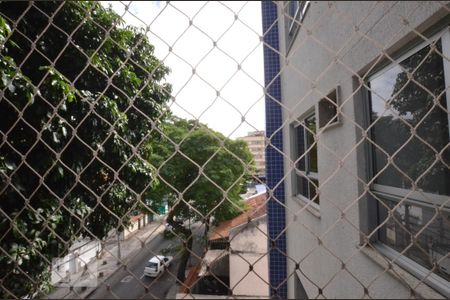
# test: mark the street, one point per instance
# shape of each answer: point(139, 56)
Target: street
point(130, 282)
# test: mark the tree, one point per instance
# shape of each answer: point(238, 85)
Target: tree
point(201, 173)
point(419, 101)
point(412, 132)
point(81, 94)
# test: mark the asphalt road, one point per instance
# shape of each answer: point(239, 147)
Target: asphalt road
point(130, 283)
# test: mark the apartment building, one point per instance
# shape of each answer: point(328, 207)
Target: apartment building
point(256, 144)
point(358, 156)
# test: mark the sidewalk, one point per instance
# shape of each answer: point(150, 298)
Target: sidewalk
point(81, 285)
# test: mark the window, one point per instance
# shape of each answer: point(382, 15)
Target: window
point(411, 156)
point(152, 265)
point(328, 112)
point(305, 155)
point(299, 291)
point(294, 13)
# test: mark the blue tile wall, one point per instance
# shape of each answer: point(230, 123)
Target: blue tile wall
point(274, 160)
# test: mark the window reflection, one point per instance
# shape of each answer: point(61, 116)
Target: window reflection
point(306, 182)
point(432, 244)
point(312, 157)
point(403, 98)
point(397, 102)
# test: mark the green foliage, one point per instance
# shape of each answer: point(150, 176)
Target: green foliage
point(206, 168)
point(78, 101)
point(418, 99)
point(199, 166)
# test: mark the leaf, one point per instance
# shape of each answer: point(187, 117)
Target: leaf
point(20, 187)
point(5, 79)
point(10, 165)
point(30, 97)
point(55, 137)
point(11, 87)
point(64, 131)
point(70, 96)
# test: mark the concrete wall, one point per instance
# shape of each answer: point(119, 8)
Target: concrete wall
point(248, 246)
point(136, 223)
point(338, 41)
point(80, 254)
point(134, 226)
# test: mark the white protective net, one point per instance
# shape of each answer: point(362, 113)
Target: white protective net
point(137, 161)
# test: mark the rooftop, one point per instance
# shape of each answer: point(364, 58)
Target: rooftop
point(256, 208)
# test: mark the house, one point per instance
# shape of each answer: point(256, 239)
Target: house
point(137, 221)
point(256, 144)
point(236, 262)
point(70, 268)
point(357, 162)
point(85, 250)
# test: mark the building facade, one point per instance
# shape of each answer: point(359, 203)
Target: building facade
point(68, 270)
point(256, 144)
point(363, 107)
point(235, 263)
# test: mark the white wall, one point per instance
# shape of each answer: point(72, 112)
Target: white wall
point(134, 226)
point(80, 254)
point(248, 246)
point(309, 73)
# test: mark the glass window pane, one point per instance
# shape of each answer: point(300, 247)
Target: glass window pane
point(292, 9)
point(398, 104)
point(302, 186)
point(431, 245)
point(313, 185)
point(300, 139)
point(312, 154)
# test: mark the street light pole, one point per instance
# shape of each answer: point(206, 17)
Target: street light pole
point(118, 247)
point(190, 231)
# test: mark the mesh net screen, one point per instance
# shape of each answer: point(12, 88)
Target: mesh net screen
point(290, 149)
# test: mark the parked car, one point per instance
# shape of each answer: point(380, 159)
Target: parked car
point(157, 264)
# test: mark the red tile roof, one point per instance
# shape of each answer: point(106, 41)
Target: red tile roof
point(191, 279)
point(256, 208)
point(136, 218)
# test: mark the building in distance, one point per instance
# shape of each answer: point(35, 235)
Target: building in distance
point(256, 144)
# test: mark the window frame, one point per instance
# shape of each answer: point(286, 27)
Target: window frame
point(395, 194)
point(310, 176)
point(337, 116)
point(292, 21)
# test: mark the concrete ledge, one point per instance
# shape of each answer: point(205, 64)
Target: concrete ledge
point(421, 290)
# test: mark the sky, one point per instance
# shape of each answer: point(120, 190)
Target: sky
point(216, 57)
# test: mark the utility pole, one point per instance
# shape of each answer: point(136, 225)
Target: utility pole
point(118, 246)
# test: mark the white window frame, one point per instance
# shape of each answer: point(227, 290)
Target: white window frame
point(301, 125)
point(338, 121)
point(419, 198)
point(294, 20)
point(298, 15)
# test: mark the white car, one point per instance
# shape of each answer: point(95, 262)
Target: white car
point(157, 264)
